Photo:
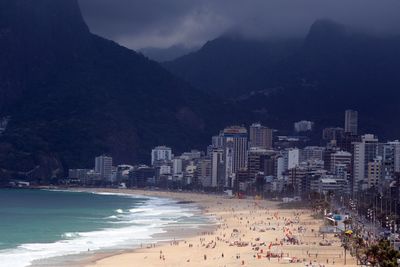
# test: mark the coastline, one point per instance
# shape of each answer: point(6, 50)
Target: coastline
point(170, 232)
point(248, 232)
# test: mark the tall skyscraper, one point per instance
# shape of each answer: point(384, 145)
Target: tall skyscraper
point(351, 122)
point(260, 136)
point(235, 138)
point(364, 152)
point(103, 166)
point(217, 168)
point(235, 152)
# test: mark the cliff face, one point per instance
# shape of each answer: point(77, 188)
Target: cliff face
point(72, 95)
point(35, 37)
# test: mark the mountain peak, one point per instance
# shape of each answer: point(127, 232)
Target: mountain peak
point(325, 31)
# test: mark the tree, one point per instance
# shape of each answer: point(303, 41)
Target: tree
point(382, 254)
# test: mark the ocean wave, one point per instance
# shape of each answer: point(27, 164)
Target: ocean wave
point(25, 254)
point(139, 224)
point(70, 235)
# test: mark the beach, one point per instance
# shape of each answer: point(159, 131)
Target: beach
point(247, 232)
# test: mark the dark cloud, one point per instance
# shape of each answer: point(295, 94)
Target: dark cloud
point(163, 23)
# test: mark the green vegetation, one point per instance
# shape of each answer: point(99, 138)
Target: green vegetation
point(382, 254)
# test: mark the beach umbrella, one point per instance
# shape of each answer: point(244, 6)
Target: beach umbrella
point(349, 232)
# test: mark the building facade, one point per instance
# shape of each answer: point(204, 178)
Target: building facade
point(351, 122)
point(161, 154)
point(260, 136)
point(364, 152)
point(103, 166)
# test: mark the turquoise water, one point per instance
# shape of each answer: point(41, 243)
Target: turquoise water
point(40, 224)
point(38, 216)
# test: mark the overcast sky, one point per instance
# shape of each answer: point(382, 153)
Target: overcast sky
point(163, 23)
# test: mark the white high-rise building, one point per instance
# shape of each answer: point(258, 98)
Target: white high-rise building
point(292, 158)
point(351, 122)
point(364, 152)
point(103, 166)
point(161, 154)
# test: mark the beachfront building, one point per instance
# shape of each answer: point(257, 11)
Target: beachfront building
point(142, 176)
point(235, 152)
point(160, 155)
point(254, 161)
point(103, 166)
point(203, 170)
point(217, 168)
point(328, 184)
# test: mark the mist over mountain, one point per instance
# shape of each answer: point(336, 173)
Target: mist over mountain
point(160, 23)
point(332, 69)
point(71, 95)
point(166, 54)
point(231, 65)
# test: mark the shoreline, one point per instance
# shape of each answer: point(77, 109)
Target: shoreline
point(246, 232)
point(158, 239)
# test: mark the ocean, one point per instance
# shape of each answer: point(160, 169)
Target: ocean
point(41, 224)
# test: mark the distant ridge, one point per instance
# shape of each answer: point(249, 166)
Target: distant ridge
point(331, 69)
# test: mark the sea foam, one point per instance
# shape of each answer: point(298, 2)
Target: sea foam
point(140, 224)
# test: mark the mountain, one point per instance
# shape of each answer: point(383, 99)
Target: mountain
point(166, 54)
point(332, 69)
point(231, 66)
point(70, 95)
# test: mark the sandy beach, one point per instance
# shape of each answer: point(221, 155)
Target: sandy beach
point(248, 232)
